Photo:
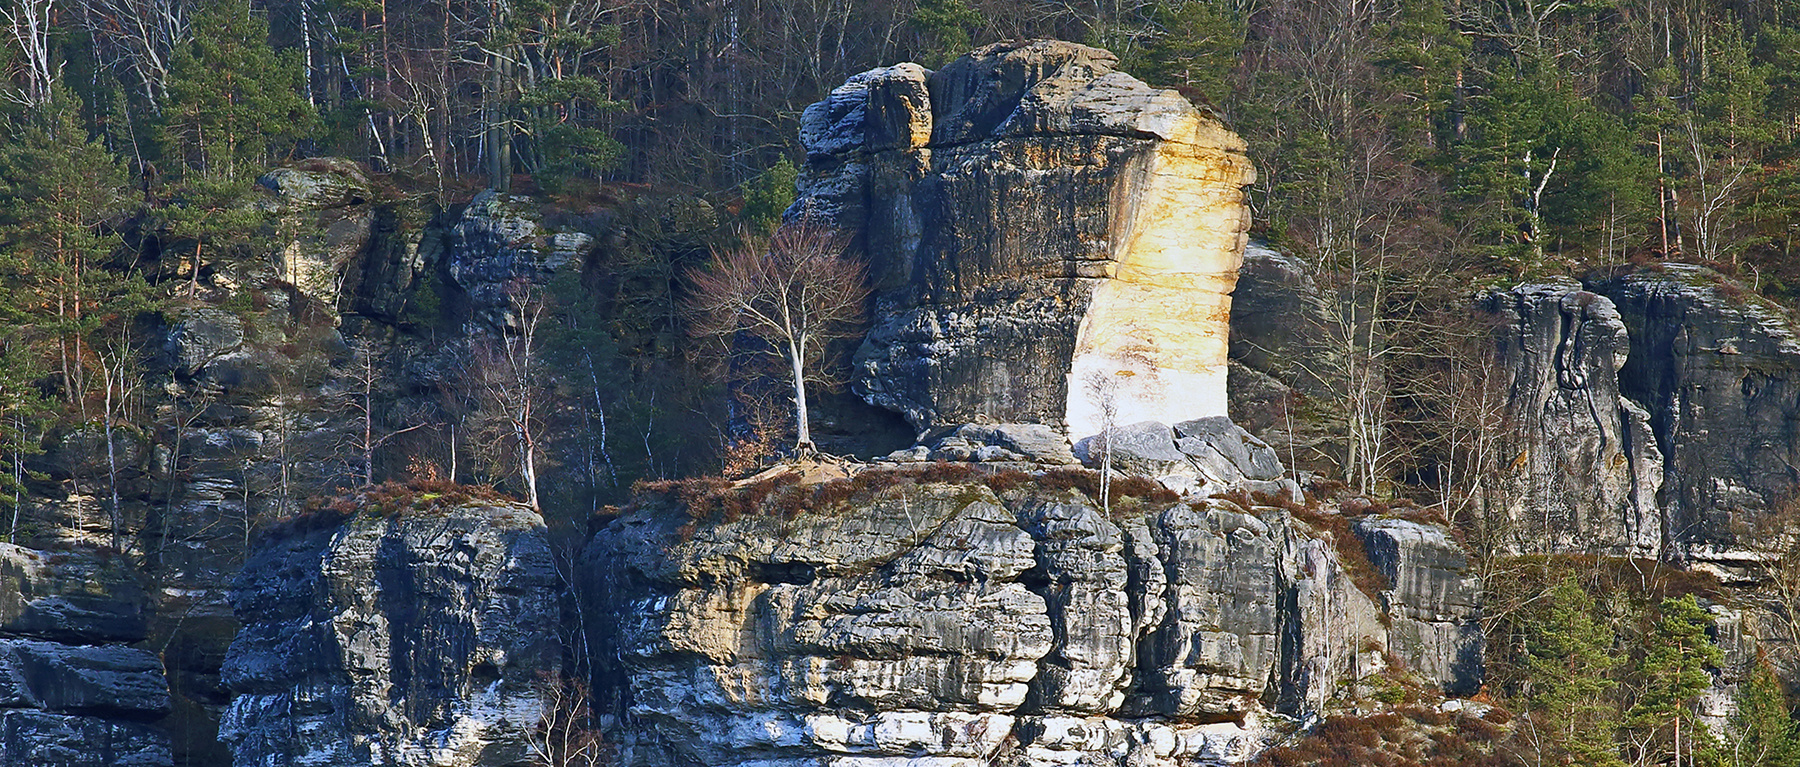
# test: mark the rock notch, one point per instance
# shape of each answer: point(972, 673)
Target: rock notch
point(1051, 241)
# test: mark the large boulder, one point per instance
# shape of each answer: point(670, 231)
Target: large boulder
point(418, 639)
point(1050, 240)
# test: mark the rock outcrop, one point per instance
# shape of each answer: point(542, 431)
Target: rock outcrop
point(1433, 600)
point(944, 624)
point(501, 244)
point(417, 639)
point(1718, 369)
point(73, 692)
point(1581, 466)
point(1048, 238)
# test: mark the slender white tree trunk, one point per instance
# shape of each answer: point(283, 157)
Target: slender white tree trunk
point(804, 442)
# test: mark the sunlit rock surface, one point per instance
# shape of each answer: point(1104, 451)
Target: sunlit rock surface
point(942, 624)
point(1051, 241)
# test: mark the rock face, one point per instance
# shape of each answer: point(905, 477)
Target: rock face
point(500, 242)
point(1197, 458)
point(73, 693)
point(410, 640)
point(1718, 370)
point(1048, 238)
point(1582, 466)
point(942, 624)
point(1433, 600)
point(326, 215)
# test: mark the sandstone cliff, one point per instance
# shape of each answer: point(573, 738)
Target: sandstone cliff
point(1048, 237)
point(73, 692)
point(416, 640)
point(950, 624)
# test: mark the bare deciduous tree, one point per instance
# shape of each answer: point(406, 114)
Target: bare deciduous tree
point(566, 736)
point(505, 373)
point(793, 298)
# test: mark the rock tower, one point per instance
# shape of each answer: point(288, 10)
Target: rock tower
point(1051, 241)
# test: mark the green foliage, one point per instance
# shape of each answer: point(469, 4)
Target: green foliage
point(768, 195)
point(206, 218)
point(1763, 732)
point(566, 146)
point(60, 195)
point(1567, 659)
point(234, 104)
point(945, 27)
point(1674, 673)
point(1541, 166)
point(1194, 44)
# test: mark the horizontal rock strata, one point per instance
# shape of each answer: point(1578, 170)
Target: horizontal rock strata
point(942, 624)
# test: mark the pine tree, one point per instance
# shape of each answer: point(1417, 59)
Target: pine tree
point(233, 102)
point(1674, 672)
point(1568, 659)
point(1194, 45)
point(1763, 731)
point(58, 191)
point(944, 27)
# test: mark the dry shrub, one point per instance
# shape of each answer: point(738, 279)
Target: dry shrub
point(421, 495)
point(1411, 736)
point(1351, 551)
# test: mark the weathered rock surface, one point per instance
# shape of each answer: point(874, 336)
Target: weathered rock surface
point(1198, 458)
point(501, 243)
point(1433, 600)
point(1582, 469)
point(1036, 223)
point(1717, 369)
point(409, 640)
point(1284, 370)
point(72, 692)
point(942, 625)
point(327, 219)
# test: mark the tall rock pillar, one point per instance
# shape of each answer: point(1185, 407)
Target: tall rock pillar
point(1051, 241)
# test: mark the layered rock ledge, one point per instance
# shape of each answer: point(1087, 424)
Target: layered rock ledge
point(1051, 241)
point(73, 692)
point(943, 624)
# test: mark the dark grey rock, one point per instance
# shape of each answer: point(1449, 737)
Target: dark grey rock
point(937, 622)
point(44, 739)
point(200, 335)
point(1433, 601)
point(405, 640)
point(112, 679)
point(1581, 473)
point(1717, 371)
point(78, 596)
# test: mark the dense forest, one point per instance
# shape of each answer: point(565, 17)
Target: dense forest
point(1407, 150)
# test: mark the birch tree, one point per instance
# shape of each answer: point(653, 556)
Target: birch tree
point(789, 300)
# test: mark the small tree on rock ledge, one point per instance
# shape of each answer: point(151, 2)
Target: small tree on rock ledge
point(794, 297)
